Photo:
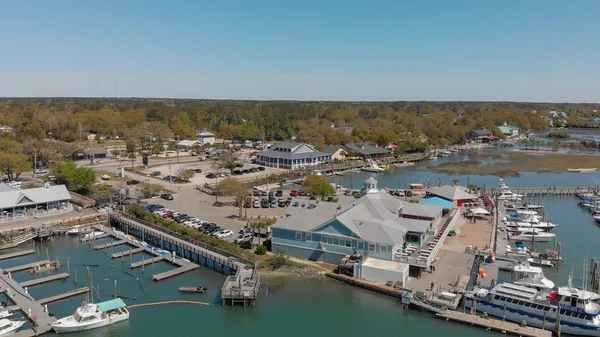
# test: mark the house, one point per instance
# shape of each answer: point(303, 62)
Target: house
point(91, 136)
point(373, 224)
point(337, 152)
point(509, 130)
point(17, 204)
point(6, 129)
point(479, 134)
point(366, 149)
point(292, 155)
point(206, 137)
point(456, 194)
point(188, 145)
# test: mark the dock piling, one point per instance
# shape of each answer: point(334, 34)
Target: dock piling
point(115, 288)
point(152, 269)
point(68, 266)
point(37, 249)
point(26, 290)
point(47, 254)
point(76, 283)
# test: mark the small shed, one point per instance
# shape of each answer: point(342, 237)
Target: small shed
point(381, 271)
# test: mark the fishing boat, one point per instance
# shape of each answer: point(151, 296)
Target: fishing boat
point(339, 173)
point(75, 230)
point(532, 277)
point(540, 308)
point(199, 289)
point(90, 316)
point(531, 234)
point(8, 327)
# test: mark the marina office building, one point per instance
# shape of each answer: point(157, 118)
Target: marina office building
point(18, 204)
point(292, 155)
point(375, 225)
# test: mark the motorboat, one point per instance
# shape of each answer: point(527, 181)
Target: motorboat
point(596, 215)
point(8, 327)
point(92, 235)
point(543, 226)
point(372, 167)
point(199, 289)
point(530, 276)
point(522, 206)
point(433, 158)
point(538, 261)
point(539, 308)
point(90, 316)
point(519, 250)
point(75, 230)
point(5, 314)
point(531, 234)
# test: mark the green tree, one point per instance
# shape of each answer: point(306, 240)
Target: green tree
point(233, 188)
point(131, 146)
point(77, 178)
point(318, 186)
point(132, 156)
point(13, 164)
point(257, 227)
point(184, 174)
point(116, 152)
point(229, 161)
point(157, 148)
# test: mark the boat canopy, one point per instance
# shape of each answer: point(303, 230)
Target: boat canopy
point(111, 305)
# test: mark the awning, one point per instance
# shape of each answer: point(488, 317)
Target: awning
point(479, 211)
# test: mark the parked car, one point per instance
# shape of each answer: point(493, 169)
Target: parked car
point(281, 203)
point(302, 193)
point(133, 182)
point(256, 193)
point(279, 193)
point(243, 238)
point(154, 207)
point(256, 204)
point(263, 193)
point(167, 196)
point(273, 203)
point(210, 176)
point(40, 171)
point(198, 170)
point(223, 233)
point(248, 205)
point(293, 193)
point(154, 174)
point(261, 168)
point(265, 203)
point(237, 172)
point(168, 177)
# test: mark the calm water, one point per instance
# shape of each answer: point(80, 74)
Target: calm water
point(301, 307)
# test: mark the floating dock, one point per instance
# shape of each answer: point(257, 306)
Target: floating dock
point(146, 262)
point(46, 279)
point(127, 252)
point(16, 254)
point(101, 236)
point(174, 272)
point(494, 324)
point(27, 266)
point(111, 244)
point(59, 297)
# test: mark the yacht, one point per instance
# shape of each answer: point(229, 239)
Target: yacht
point(373, 167)
point(543, 226)
point(531, 234)
point(532, 277)
point(507, 194)
point(522, 206)
point(76, 230)
point(5, 314)
point(539, 308)
point(92, 235)
point(90, 316)
point(8, 327)
point(596, 215)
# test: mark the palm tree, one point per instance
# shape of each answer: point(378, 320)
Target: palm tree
point(257, 227)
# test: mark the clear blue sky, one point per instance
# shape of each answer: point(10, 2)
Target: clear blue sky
point(518, 50)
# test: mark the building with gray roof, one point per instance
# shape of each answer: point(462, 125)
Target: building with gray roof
point(14, 202)
point(456, 194)
point(366, 149)
point(292, 155)
point(375, 224)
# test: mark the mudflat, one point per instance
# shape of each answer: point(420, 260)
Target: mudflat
point(509, 163)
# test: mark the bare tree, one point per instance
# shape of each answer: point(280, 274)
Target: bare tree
point(229, 161)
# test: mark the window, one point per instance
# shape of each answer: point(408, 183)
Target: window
point(299, 236)
point(383, 249)
point(348, 243)
point(323, 239)
point(336, 242)
point(371, 247)
point(361, 245)
point(330, 240)
point(308, 237)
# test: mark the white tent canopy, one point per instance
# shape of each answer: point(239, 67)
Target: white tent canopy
point(479, 211)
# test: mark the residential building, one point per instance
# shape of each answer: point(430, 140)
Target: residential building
point(206, 137)
point(456, 194)
point(91, 136)
point(292, 155)
point(509, 130)
point(17, 204)
point(337, 152)
point(366, 149)
point(6, 129)
point(479, 134)
point(376, 224)
point(188, 145)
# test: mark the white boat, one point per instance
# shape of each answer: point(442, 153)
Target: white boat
point(532, 277)
point(531, 234)
point(5, 314)
point(543, 226)
point(433, 158)
point(75, 230)
point(518, 250)
point(596, 216)
point(90, 316)
point(522, 206)
point(92, 235)
point(577, 309)
point(8, 327)
point(373, 167)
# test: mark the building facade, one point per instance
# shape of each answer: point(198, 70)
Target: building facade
point(509, 130)
point(188, 145)
point(337, 152)
point(17, 204)
point(366, 150)
point(479, 135)
point(206, 138)
point(292, 155)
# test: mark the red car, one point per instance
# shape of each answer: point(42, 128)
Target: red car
point(293, 193)
point(256, 193)
point(168, 215)
point(248, 205)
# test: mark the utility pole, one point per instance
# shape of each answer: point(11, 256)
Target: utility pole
point(34, 162)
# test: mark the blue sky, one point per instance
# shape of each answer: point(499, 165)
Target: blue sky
point(306, 50)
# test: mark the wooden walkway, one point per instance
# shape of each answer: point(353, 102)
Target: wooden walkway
point(146, 262)
point(174, 272)
point(59, 297)
point(111, 244)
point(26, 266)
point(46, 279)
point(17, 254)
point(494, 324)
point(127, 252)
point(366, 285)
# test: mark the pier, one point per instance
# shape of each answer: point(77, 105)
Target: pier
point(68, 294)
point(27, 266)
point(111, 244)
point(92, 238)
point(146, 262)
point(494, 324)
point(390, 291)
point(174, 272)
point(16, 254)
point(46, 279)
point(127, 252)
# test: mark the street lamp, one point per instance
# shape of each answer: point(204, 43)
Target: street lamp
point(216, 189)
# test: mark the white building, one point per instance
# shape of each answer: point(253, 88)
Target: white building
point(17, 204)
point(188, 145)
point(206, 138)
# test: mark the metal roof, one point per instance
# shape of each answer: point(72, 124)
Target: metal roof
point(111, 305)
point(96, 150)
point(206, 134)
point(188, 143)
point(365, 148)
point(482, 132)
point(33, 196)
point(4, 187)
point(452, 193)
point(331, 149)
point(292, 154)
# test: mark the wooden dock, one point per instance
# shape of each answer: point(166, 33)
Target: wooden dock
point(174, 272)
point(111, 244)
point(17, 254)
point(26, 266)
point(46, 279)
point(102, 236)
point(127, 252)
point(390, 291)
point(146, 262)
point(494, 324)
point(59, 297)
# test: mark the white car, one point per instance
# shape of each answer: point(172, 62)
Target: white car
point(243, 238)
point(40, 171)
point(223, 233)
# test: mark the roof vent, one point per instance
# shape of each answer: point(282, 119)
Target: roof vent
point(303, 204)
point(361, 223)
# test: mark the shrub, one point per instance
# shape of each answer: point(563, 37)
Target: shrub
point(261, 250)
point(246, 245)
point(277, 261)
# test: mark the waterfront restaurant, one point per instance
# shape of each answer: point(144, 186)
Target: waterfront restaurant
point(17, 204)
point(455, 194)
point(292, 155)
point(372, 225)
